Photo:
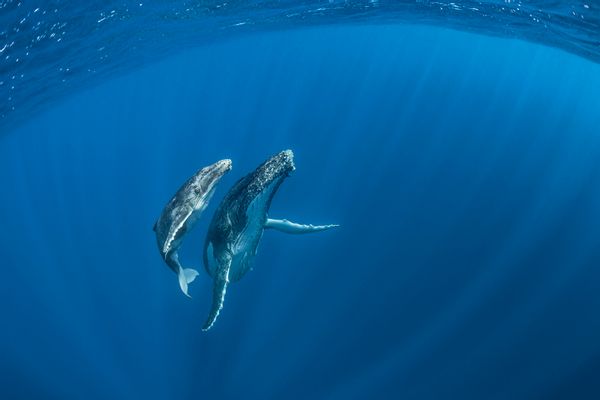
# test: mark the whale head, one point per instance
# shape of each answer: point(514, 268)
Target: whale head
point(217, 170)
point(276, 168)
point(202, 185)
point(285, 161)
point(208, 177)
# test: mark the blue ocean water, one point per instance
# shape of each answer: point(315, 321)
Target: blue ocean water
point(463, 168)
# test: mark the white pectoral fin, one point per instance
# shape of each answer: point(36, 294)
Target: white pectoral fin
point(221, 280)
point(177, 229)
point(283, 225)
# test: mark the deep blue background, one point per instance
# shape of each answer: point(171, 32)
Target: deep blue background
point(465, 172)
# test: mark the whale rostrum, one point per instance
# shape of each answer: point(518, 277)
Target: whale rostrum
point(181, 213)
point(238, 225)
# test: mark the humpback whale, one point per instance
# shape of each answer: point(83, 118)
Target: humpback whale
point(180, 215)
point(238, 224)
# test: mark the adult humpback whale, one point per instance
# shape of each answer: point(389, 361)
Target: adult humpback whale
point(180, 214)
point(238, 225)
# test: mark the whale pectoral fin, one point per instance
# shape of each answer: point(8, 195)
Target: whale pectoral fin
point(178, 228)
point(221, 280)
point(283, 225)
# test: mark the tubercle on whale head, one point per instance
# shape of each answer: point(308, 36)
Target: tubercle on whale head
point(275, 168)
point(205, 180)
point(224, 165)
point(220, 168)
point(285, 161)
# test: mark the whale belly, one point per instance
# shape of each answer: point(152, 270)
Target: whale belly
point(246, 239)
point(244, 248)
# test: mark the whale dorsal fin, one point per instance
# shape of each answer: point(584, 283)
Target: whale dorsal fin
point(283, 225)
point(221, 280)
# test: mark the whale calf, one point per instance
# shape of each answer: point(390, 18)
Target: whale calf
point(238, 224)
point(180, 215)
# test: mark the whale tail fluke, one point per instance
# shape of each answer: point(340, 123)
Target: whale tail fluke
point(219, 290)
point(186, 276)
point(283, 225)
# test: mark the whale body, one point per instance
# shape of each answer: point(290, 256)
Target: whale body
point(181, 213)
point(238, 225)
